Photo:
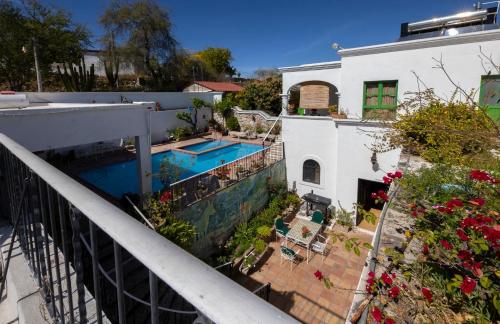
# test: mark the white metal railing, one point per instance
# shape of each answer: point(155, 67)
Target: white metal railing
point(218, 298)
point(272, 126)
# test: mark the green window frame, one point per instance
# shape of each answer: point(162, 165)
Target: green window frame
point(368, 94)
point(493, 110)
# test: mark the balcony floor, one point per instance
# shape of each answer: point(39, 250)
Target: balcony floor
point(300, 294)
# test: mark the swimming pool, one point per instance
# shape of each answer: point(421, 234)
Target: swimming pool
point(119, 178)
point(203, 146)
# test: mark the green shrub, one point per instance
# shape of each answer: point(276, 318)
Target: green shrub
point(181, 132)
point(449, 132)
point(232, 124)
point(259, 129)
point(259, 246)
point(165, 223)
point(259, 227)
point(264, 231)
point(293, 199)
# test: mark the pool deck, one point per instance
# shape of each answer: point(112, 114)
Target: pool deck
point(157, 148)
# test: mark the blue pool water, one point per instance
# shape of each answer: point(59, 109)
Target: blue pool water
point(119, 178)
point(203, 146)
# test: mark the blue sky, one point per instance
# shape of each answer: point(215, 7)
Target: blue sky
point(274, 33)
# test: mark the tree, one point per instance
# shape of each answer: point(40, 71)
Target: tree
point(263, 74)
point(263, 95)
point(111, 57)
point(145, 28)
point(15, 66)
point(56, 37)
point(192, 119)
point(217, 61)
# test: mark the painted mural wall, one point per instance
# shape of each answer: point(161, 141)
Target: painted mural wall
point(216, 216)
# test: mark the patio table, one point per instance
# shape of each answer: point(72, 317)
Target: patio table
point(295, 234)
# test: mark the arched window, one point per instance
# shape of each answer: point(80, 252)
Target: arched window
point(311, 171)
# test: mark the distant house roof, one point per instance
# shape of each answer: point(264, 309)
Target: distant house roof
point(220, 86)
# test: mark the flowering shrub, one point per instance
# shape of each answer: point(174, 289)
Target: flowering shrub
point(456, 270)
point(451, 132)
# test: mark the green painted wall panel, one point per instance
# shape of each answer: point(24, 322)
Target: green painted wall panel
point(216, 216)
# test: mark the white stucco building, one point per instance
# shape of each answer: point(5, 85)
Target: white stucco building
point(333, 157)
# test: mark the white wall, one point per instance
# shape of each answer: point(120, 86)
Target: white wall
point(460, 60)
point(162, 122)
point(310, 138)
point(342, 150)
point(167, 100)
point(58, 126)
point(331, 76)
point(353, 160)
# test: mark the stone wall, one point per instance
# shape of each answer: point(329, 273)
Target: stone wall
point(216, 216)
point(252, 120)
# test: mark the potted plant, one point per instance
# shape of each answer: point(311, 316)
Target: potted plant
point(259, 249)
point(241, 172)
point(223, 175)
point(344, 218)
point(305, 232)
point(336, 113)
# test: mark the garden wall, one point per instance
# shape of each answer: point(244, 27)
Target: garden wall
point(249, 119)
point(216, 216)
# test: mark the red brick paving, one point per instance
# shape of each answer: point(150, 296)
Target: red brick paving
point(300, 294)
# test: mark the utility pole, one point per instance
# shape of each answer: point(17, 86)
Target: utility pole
point(37, 67)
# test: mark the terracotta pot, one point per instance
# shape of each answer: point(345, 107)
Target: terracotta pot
point(338, 116)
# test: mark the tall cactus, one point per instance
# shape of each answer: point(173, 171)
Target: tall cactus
point(77, 80)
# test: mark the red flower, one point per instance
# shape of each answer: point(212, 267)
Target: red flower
point(387, 180)
point(427, 294)
point(394, 292)
point(393, 275)
point(318, 274)
point(475, 267)
point(389, 320)
point(447, 210)
point(477, 201)
point(481, 176)
point(371, 274)
point(468, 222)
point(374, 195)
point(398, 174)
point(462, 235)
point(483, 219)
point(166, 196)
point(386, 279)
point(464, 255)
point(454, 203)
point(382, 195)
point(490, 234)
point(468, 285)
point(377, 314)
point(425, 249)
point(446, 245)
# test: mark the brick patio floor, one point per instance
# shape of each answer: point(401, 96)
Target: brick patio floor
point(300, 294)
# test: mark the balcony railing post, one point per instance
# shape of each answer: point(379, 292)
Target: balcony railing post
point(95, 270)
point(55, 243)
point(119, 282)
point(153, 293)
point(75, 216)
point(64, 242)
point(48, 263)
point(34, 230)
